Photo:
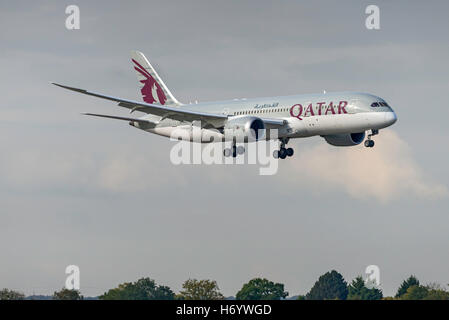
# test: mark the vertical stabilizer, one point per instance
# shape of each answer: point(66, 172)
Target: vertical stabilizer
point(153, 89)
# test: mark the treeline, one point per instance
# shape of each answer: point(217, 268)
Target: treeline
point(329, 286)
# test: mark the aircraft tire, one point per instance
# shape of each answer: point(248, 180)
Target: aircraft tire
point(283, 153)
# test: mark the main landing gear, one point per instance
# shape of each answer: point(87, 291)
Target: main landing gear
point(283, 152)
point(233, 151)
point(368, 142)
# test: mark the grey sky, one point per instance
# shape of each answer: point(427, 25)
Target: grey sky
point(102, 195)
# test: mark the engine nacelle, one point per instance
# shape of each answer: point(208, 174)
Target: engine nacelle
point(345, 140)
point(245, 128)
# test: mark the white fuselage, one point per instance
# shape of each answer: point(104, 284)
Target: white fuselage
point(304, 115)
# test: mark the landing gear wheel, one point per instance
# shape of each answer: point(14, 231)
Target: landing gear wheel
point(283, 153)
point(240, 150)
point(368, 142)
point(234, 151)
point(227, 152)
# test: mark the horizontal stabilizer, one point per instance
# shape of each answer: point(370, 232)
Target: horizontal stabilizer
point(117, 118)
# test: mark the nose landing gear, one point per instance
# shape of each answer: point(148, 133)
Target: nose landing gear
point(283, 152)
point(368, 142)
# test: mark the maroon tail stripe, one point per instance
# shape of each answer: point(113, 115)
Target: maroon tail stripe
point(142, 69)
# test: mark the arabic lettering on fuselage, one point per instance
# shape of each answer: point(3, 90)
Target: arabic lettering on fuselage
point(266, 105)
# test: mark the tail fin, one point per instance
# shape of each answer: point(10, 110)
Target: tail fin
point(153, 89)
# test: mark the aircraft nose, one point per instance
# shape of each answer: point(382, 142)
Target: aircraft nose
point(390, 118)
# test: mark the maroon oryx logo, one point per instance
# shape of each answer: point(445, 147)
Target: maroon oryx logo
point(151, 90)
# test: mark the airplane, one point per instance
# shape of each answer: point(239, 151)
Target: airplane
point(341, 118)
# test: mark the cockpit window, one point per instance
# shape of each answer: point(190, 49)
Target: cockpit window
point(379, 104)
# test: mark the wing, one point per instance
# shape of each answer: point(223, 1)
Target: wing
point(181, 114)
point(176, 113)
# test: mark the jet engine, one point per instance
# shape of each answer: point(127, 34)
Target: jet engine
point(344, 140)
point(245, 128)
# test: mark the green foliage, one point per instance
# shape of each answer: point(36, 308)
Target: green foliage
point(330, 286)
point(301, 297)
point(411, 281)
point(358, 291)
point(415, 292)
point(6, 294)
point(261, 289)
point(66, 294)
point(200, 290)
point(437, 295)
point(429, 292)
point(142, 289)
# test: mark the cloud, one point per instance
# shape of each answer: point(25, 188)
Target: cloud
point(384, 172)
point(37, 168)
point(135, 173)
point(43, 168)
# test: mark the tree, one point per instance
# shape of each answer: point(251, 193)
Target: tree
point(415, 292)
point(330, 286)
point(261, 289)
point(142, 289)
point(66, 294)
point(436, 292)
point(411, 281)
point(437, 295)
point(200, 290)
point(428, 292)
point(6, 294)
point(358, 291)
